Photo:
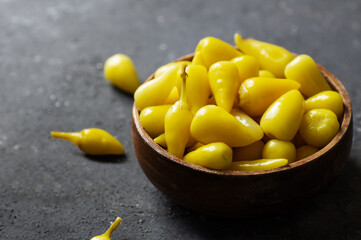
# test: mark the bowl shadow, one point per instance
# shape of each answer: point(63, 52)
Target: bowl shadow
point(335, 213)
point(106, 158)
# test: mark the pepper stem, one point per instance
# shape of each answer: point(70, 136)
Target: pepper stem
point(112, 227)
point(73, 137)
point(238, 39)
point(183, 75)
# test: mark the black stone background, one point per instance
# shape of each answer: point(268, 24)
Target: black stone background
point(51, 59)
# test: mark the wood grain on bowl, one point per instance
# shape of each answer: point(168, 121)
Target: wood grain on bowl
point(244, 194)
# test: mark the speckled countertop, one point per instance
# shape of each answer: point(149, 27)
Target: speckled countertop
point(51, 59)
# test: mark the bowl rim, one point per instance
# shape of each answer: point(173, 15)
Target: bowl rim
point(335, 84)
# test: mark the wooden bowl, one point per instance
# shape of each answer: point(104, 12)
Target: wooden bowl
point(244, 194)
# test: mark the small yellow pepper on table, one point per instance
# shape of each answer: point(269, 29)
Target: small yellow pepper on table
point(92, 141)
point(108, 233)
point(120, 71)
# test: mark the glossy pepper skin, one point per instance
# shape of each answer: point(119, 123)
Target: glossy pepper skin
point(165, 67)
point(152, 119)
point(198, 89)
point(211, 50)
point(224, 80)
point(247, 66)
point(214, 155)
point(214, 124)
point(319, 127)
point(258, 93)
point(161, 140)
point(93, 141)
point(304, 70)
point(120, 71)
point(327, 99)
point(247, 121)
point(258, 165)
point(172, 97)
point(283, 118)
point(108, 233)
point(265, 73)
point(145, 95)
point(279, 149)
point(177, 122)
point(174, 94)
point(271, 57)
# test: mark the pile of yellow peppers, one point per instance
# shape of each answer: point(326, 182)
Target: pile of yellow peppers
point(254, 107)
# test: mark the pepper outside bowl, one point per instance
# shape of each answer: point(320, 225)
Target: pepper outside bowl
point(239, 194)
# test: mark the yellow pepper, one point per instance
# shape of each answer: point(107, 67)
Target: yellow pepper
point(211, 50)
point(271, 57)
point(265, 73)
point(214, 155)
point(258, 165)
point(319, 127)
point(304, 70)
point(223, 79)
point(327, 99)
point(305, 151)
point(174, 94)
point(156, 91)
point(247, 66)
point(214, 124)
point(198, 89)
point(195, 147)
point(249, 152)
point(172, 97)
point(258, 93)
point(164, 68)
point(177, 122)
point(120, 71)
point(279, 149)
point(161, 140)
point(108, 233)
point(283, 118)
point(93, 141)
point(152, 119)
point(248, 122)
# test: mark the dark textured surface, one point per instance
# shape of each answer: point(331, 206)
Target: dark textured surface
point(51, 56)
